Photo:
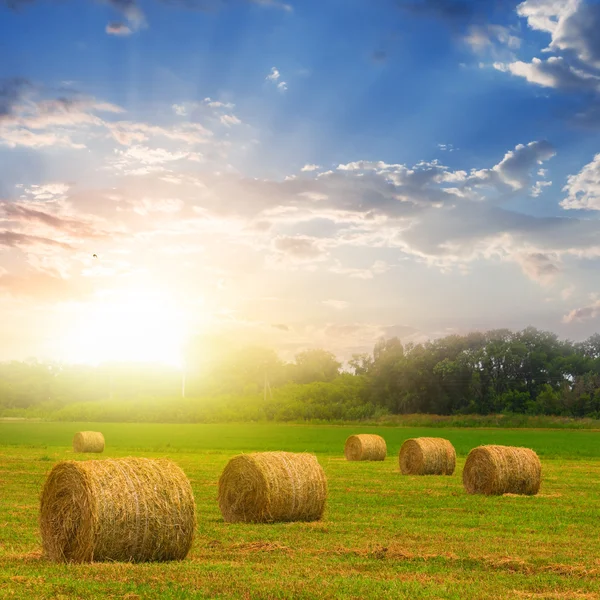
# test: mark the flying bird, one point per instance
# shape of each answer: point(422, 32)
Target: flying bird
point(94, 256)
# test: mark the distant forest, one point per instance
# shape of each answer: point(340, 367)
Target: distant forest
point(529, 372)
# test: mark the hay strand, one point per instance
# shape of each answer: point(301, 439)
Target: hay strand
point(127, 509)
point(502, 470)
point(427, 456)
point(365, 446)
point(88, 441)
point(272, 486)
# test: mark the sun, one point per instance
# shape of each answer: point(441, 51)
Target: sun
point(134, 325)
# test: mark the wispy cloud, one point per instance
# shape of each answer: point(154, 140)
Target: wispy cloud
point(336, 304)
point(274, 76)
point(118, 28)
point(584, 313)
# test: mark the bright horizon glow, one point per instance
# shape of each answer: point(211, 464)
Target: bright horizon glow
point(137, 325)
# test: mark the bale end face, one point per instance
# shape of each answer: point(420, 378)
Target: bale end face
point(365, 446)
point(497, 470)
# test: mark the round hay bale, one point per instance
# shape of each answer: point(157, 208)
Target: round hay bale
point(88, 441)
point(265, 487)
point(427, 456)
point(365, 446)
point(502, 470)
point(126, 509)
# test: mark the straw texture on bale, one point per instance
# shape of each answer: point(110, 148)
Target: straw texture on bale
point(427, 456)
point(88, 441)
point(502, 470)
point(127, 509)
point(265, 487)
point(365, 446)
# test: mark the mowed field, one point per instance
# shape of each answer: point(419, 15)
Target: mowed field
point(384, 535)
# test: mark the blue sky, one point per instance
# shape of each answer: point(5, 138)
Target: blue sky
point(348, 169)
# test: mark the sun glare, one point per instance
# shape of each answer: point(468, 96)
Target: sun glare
point(132, 325)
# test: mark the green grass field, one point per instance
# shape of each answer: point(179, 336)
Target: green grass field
point(383, 536)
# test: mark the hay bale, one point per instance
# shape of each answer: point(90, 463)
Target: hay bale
point(127, 509)
point(365, 446)
point(88, 441)
point(502, 470)
point(427, 456)
point(272, 486)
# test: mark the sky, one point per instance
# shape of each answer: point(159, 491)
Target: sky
point(294, 174)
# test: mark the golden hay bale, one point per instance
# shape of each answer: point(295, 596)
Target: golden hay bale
point(126, 509)
point(88, 441)
point(272, 486)
point(365, 446)
point(502, 470)
point(427, 456)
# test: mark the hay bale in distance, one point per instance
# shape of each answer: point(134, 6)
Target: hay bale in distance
point(127, 509)
point(427, 456)
point(88, 441)
point(266, 487)
point(502, 470)
point(365, 446)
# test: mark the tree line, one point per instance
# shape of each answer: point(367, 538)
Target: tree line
point(528, 372)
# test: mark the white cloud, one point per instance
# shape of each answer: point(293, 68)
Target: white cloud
point(583, 189)
point(515, 168)
point(572, 24)
point(555, 72)
point(274, 4)
point(336, 304)
point(482, 38)
point(141, 160)
point(309, 168)
point(23, 137)
point(180, 110)
point(573, 27)
point(127, 132)
point(50, 122)
point(377, 268)
point(229, 120)
point(274, 76)
point(538, 188)
point(48, 192)
point(218, 104)
point(151, 156)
